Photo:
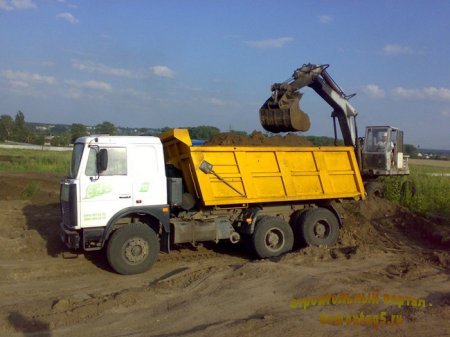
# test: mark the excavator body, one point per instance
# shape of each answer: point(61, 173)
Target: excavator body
point(281, 113)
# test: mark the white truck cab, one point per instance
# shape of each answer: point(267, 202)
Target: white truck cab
point(112, 177)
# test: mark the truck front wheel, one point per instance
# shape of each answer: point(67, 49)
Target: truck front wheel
point(273, 236)
point(133, 249)
point(319, 226)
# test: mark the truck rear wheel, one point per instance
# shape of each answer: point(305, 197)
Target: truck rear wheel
point(272, 237)
point(133, 249)
point(319, 226)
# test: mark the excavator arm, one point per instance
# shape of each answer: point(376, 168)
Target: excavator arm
point(282, 113)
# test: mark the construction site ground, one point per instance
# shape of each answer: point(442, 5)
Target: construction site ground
point(384, 252)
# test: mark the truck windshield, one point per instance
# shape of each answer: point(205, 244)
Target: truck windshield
point(76, 159)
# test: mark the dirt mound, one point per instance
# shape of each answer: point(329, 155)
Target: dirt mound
point(257, 138)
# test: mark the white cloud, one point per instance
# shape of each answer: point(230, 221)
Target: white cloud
point(216, 101)
point(270, 43)
point(445, 113)
point(10, 5)
point(19, 84)
point(374, 90)
point(162, 71)
point(396, 49)
point(324, 19)
point(68, 17)
point(25, 77)
point(423, 93)
point(95, 85)
point(92, 67)
point(103, 69)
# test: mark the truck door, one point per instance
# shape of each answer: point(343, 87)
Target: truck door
point(104, 194)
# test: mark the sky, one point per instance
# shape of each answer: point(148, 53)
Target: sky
point(181, 63)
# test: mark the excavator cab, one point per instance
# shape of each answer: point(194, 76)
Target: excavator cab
point(383, 152)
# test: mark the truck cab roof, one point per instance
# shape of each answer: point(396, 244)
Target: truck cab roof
point(107, 139)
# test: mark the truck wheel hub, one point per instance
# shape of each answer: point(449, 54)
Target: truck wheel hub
point(274, 239)
point(321, 230)
point(136, 250)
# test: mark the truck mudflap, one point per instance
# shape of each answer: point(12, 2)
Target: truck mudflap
point(70, 238)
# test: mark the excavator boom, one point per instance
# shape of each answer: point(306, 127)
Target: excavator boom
point(282, 113)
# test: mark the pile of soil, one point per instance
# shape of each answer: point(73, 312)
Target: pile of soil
point(257, 138)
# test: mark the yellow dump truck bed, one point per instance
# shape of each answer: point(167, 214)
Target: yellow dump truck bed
point(254, 174)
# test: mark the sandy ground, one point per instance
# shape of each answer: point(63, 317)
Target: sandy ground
point(384, 253)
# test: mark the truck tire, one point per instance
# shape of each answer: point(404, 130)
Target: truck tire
point(132, 249)
point(272, 237)
point(319, 226)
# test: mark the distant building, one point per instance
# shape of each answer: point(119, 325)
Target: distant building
point(48, 140)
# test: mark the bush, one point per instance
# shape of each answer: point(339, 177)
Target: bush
point(420, 192)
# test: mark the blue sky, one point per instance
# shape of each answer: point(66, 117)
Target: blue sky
point(187, 63)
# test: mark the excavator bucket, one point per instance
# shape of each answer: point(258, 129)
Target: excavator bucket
point(282, 113)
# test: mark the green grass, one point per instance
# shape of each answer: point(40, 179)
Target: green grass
point(30, 190)
point(18, 160)
point(432, 193)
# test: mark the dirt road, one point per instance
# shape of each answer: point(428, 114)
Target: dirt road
point(389, 265)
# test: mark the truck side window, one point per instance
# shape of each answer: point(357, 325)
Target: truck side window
point(117, 162)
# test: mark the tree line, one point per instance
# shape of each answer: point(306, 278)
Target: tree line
point(16, 130)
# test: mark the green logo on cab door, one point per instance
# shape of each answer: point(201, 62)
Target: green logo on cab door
point(98, 189)
point(144, 187)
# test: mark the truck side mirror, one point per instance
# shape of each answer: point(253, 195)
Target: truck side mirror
point(102, 160)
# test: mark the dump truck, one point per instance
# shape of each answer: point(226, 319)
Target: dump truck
point(137, 196)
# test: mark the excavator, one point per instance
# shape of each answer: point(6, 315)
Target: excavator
point(379, 153)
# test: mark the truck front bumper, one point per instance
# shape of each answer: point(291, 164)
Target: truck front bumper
point(70, 238)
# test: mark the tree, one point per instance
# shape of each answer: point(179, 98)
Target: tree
point(20, 132)
point(58, 129)
point(38, 139)
point(106, 128)
point(77, 131)
point(6, 127)
point(203, 132)
point(62, 139)
point(323, 141)
point(410, 150)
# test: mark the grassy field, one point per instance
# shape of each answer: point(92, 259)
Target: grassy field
point(44, 161)
point(422, 192)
